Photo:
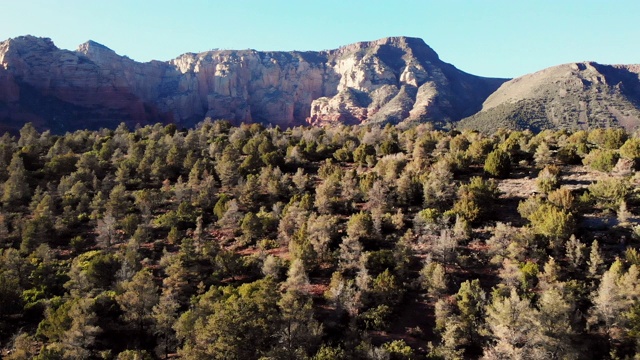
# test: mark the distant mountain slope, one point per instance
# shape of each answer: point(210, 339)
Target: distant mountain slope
point(572, 96)
point(387, 80)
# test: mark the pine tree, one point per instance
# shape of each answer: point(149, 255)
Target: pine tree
point(433, 278)
point(350, 253)
point(623, 214)
point(471, 301)
point(16, 188)
point(299, 332)
point(547, 179)
point(543, 155)
point(321, 231)
point(231, 323)
point(300, 180)
point(595, 261)
point(608, 301)
point(177, 281)
point(445, 247)
point(575, 252)
point(553, 331)
point(118, 202)
point(509, 319)
point(232, 216)
point(297, 278)
point(79, 339)
point(106, 231)
point(138, 297)
point(227, 167)
point(165, 314)
point(271, 266)
point(251, 228)
point(327, 195)
point(498, 164)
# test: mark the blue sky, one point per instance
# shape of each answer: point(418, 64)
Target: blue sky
point(484, 37)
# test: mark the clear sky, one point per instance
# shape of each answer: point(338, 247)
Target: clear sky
point(501, 38)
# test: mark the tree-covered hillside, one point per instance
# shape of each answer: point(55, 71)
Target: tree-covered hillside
point(341, 242)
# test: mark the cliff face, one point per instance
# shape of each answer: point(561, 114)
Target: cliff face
point(249, 86)
point(65, 90)
point(388, 80)
point(395, 79)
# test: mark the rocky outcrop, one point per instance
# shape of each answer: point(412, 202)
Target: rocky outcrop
point(65, 90)
point(388, 80)
point(249, 86)
point(573, 96)
point(396, 79)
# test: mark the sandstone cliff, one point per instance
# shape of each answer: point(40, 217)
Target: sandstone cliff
point(63, 90)
point(388, 80)
point(395, 79)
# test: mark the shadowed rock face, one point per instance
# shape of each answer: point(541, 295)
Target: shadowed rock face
point(388, 80)
point(65, 90)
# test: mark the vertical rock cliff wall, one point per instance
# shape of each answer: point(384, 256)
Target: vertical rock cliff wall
point(388, 80)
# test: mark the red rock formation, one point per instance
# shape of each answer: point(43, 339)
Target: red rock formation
point(390, 79)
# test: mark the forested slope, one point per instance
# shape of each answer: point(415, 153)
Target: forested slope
point(322, 243)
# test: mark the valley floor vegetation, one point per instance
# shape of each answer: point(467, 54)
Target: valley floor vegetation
point(247, 242)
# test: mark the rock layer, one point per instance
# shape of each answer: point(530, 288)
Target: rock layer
point(388, 80)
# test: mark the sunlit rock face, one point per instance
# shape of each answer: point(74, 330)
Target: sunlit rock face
point(388, 80)
point(395, 79)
